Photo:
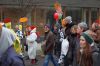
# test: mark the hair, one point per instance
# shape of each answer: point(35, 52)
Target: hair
point(83, 26)
point(87, 55)
point(74, 28)
point(87, 49)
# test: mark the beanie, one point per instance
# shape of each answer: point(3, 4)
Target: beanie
point(47, 25)
point(87, 37)
point(68, 19)
point(83, 25)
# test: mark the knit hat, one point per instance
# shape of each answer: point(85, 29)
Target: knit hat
point(47, 25)
point(68, 19)
point(87, 37)
point(83, 25)
point(7, 20)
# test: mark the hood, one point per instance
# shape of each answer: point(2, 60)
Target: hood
point(33, 31)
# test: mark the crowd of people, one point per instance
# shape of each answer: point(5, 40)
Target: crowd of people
point(71, 44)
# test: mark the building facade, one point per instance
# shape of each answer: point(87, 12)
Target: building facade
point(40, 12)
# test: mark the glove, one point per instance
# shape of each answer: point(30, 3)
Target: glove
point(61, 59)
point(61, 39)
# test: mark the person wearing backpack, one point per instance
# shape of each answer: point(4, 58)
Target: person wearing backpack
point(68, 24)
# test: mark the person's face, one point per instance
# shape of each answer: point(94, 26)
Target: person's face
point(17, 28)
point(29, 28)
point(55, 28)
point(93, 26)
point(79, 30)
point(82, 42)
point(93, 35)
point(27, 31)
point(46, 29)
point(98, 35)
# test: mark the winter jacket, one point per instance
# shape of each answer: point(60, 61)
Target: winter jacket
point(96, 54)
point(50, 41)
point(73, 44)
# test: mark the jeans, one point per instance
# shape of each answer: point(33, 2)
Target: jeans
point(50, 57)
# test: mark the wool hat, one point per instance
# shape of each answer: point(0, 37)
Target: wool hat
point(87, 37)
point(83, 25)
point(68, 19)
point(47, 25)
point(7, 20)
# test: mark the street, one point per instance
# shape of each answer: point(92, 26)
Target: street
point(39, 63)
point(39, 58)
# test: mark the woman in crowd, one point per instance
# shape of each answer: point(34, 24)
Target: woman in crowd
point(84, 55)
